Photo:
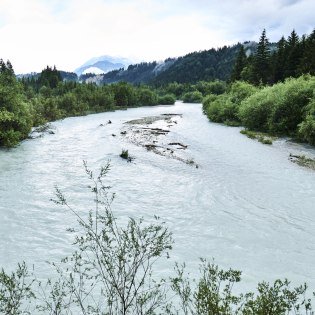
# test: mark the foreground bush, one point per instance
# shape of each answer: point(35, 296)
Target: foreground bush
point(111, 261)
point(16, 291)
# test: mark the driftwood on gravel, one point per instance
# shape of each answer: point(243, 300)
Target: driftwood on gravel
point(143, 133)
point(179, 144)
point(156, 129)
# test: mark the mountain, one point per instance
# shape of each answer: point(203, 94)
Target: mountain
point(143, 72)
point(202, 65)
point(209, 64)
point(102, 64)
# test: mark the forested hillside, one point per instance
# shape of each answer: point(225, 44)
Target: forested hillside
point(207, 65)
point(138, 73)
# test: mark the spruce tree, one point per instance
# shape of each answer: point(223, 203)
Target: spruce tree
point(261, 64)
point(307, 60)
point(293, 53)
point(280, 60)
point(240, 64)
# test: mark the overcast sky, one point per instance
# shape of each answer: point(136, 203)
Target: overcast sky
point(65, 33)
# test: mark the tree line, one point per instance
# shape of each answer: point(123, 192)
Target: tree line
point(291, 57)
point(37, 100)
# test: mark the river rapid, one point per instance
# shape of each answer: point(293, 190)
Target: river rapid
point(246, 205)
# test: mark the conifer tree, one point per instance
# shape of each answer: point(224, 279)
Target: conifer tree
point(49, 77)
point(293, 53)
point(307, 60)
point(261, 63)
point(240, 64)
point(280, 60)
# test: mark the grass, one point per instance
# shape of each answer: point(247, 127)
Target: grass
point(232, 123)
point(260, 136)
point(264, 140)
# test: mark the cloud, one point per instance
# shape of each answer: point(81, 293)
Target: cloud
point(35, 33)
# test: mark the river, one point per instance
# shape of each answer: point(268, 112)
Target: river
point(246, 205)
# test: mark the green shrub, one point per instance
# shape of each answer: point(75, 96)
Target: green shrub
point(279, 108)
point(146, 97)
point(168, 99)
point(14, 126)
point(306, 129)
point(177, 89)
point(240, 90)
point(124, 94)
point(16, 291)
point(214, 293)
point(214, 107)
point(101, 100)
point(290, 101)
point(15, 114)
point(72, 105)
point(255, 110)
point(214, 87)
point(224, 108)
point(192, 97)
point(207, 101)
point(221, 109)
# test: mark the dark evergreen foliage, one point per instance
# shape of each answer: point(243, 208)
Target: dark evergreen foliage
point(138, 73)
point(292, 57)
point(49, 77)
point(68, 76)
point(307, 61)
point(239, 65)
point(207, 65)
point(261, 61)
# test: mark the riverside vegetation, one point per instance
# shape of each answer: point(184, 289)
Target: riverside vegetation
point(286, 108)
point(31, 102)
point(112, 271)
point(272, 92)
